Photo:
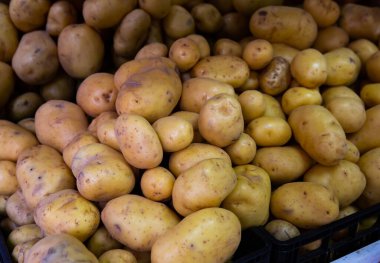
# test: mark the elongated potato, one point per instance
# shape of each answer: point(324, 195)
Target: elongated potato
point(298, 96)
point(318, 133)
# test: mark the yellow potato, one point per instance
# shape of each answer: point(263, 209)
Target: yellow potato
point(252, 83)
point(106, 133)
point(372, 66)
point(137, 222)
point(226, 46)
point(207, 17)
point(282, 230)
point(178, 22)
point(273, 107)
point(30, 15)
point(364, 48)
point(258, 53)
point(243, 150)
point(24, 233)
point(331, 38)
point(276, 77)
point(156, 9)
point(252, 104)
point(8, 35)
point(304, 204)
point(117, 256)
point(353, 153)
point(157, 183)
point(99, 120)
point(202, 43)
point(370, 94)
point(324, 12)
point(152, 50)
point(298, 96)
point(284, 164)
point(285, 51)
point(17, 209)
point(66, 211)
point(249, 200)
point(8, 179)
point(185, 53)
point(101, 241)
point(191, 117)
point(20, 250)
point(61, 14)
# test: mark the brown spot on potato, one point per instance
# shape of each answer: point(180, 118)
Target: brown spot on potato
point(263, 13)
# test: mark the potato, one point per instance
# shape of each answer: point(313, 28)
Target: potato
point(58, 122)
point(101, 241)
point(252, 104)
point(137, 222)
point(23, 234)
point(80, 50)
point(304, 204)
point(229, 69)
point(9, 183)
point(155, 9)
point(24, 106)
point(366, 137)
point(207, 18)
point(243, 150)
point(97, 94)
point(369, 164)
point(235, 25)
point(191, 240)
point(227, 47)
point(28, 124)
point(273, 107)
point(138, 141)
point(250, 198)
point(363, 48)
point(192, 118)
point(61, 87)
point(282, 230)
point(105, 14)
point(330, 38)
point(127, 40)
point(8, 35)
point(284, 164)
point(152, 50)
point(61, 14)
point(345, 180)
point(20, 250)
point(324, 12)
point(309, 68)
point(28, 16)
point(298, 96)
point(178, 22)
point(318, 133)
point(285, 51)
point(157, 183)
point(206, 184)
point(101, 172)
point(185, 53)
point(276, 77)
point(3, 203)
point(106, 133)
point(196, 152)
point(13, 140)
point(353, 153)
point(347, 211)
point(152, 94)
point(360, 21)
point(284, 24)
point(17, 209)
point(370, 94)
point(202, 43)
point(59, 247)
point(117, 256)
point(66, 211)
point(258, 53)
point(269, 131)
point(99, 120)
point(372, 66)
point(331, 93)
point(35, 61)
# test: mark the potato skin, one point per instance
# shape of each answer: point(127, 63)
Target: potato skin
point(24, 233)
point(101, 241)
point(304, 204)
point(61, 14)
point(276, 77)
point(370, 94)
point(215, 242)
point(282, 230)
point(117, 256)
point(298, 96)
point(17, 209)
point(157, 183)
point(8, 35)
point(243, 150)
point(178, 22)
point(136, 221)
point(330, 10)
point(30, 15)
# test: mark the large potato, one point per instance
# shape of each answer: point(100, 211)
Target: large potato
point(137, 222)
point(345, 179)
point(284, 24)
point(66, 211)
point(58, 122)
point(59, 248)
point(36, 60)
point(8, 35)
point(250, 198)
point(193, 241)
point(17, 210)
point(30, 15)
point(41, 171)
point(13, 140)
point(304, 204)
point(318, 133)
point(206, 184)
point(8, 179)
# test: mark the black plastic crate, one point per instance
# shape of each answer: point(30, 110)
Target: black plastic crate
point(331, 247)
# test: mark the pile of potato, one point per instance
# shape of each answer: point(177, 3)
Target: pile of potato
point(157, 131)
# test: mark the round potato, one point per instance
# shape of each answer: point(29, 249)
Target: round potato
point(207, 18)
point(117, 256)
point(156, 9)
point(157, 184)
point(17, 210)
point(330, 38)
point(227, 47)
point(24, 106)
point(101, 241)
point(273, 107)
point(372, 65)
point(8, 178)
point(370, 94)
point(285, 51)
point(364, 48)
point(298, 96)
point(282, 230)
point(258, 53)
point(30, 15)
point(61, 87)
point(185, 53)
point(61, 14)
point(324, 12)
point(243, 150)
point(276, 77)
point(8, 35)
point(252, 104)
point(178, 22)
point(28, 124)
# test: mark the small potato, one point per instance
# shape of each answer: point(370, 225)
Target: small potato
point(117, 256)
point(284, 24)
point(80, 50)
point(101, 241)
point(229, 69)
point(66, 211)
point(185, 53)
point(251, 196)
point(30, 15)
point(353, 153)
point(97, 94)
point(61, 14)
point(156, 9)
point(285, 51)
point(227, 47)
point(105, 14)
point(24, 106)
point(23, 234)
point(8, 82)
point(8, 35)
point(191, 117)
point(309, 68)
point(8, 179)
point(372, 67)
point(58, 122)
point(19, 252)
point(138, 141)
point(58, 247)
point(182, 160)
point(282, 230)
point(36, 61)
point(152, 50)
point(178, 22)
point(207, 18)
point(61, 87)
point(221, 120)
point(304, 204)
point(298, 96)
point(258, 53)
point(75, 144)
point(283, 164)
point(276, 77)
point(28, 124)
point(13, 140)
point(235, 26)
point(136, 221)
point(252, 83)
point(324, 12)
point(174, 132)
point(17, 209)
point(273, 107)
point(202, 43)
point(215, 241)
point(370, 94)
point(331, 38)
point(157, 184)
point(269, 131)
point(243, 150)
point(106, 133)
point(363, 48)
